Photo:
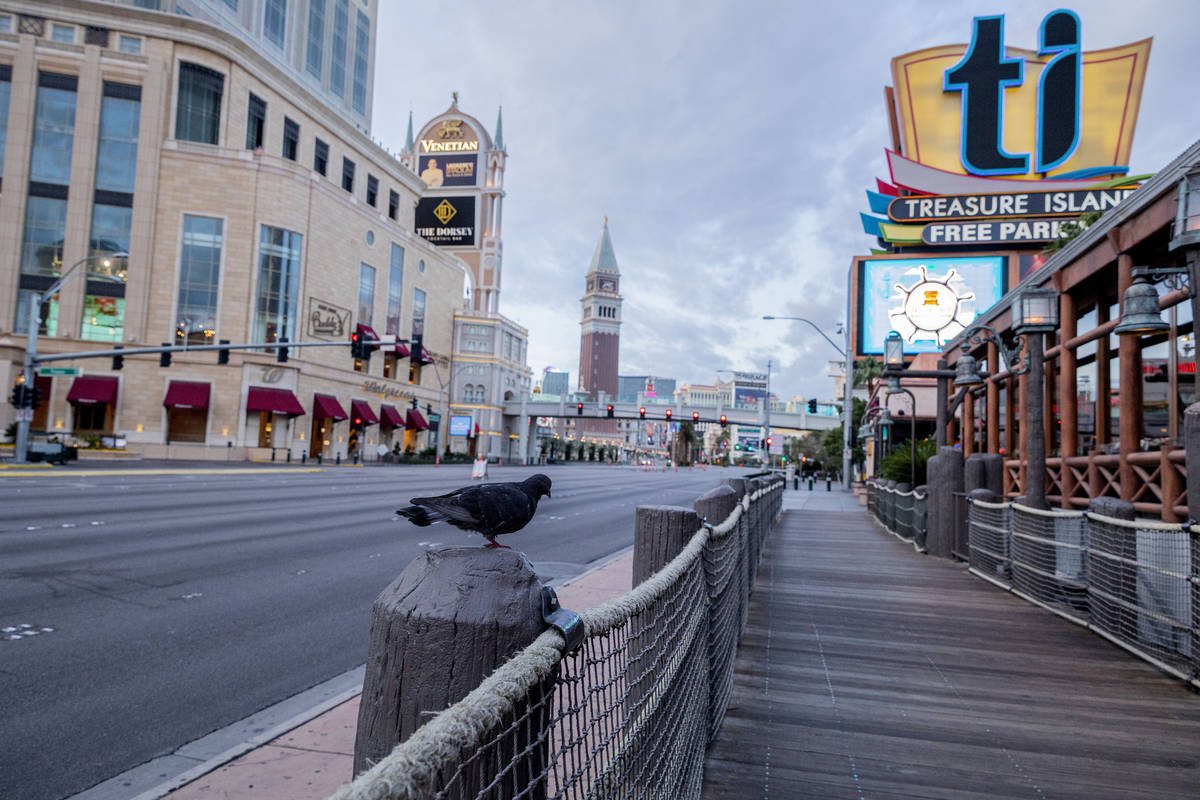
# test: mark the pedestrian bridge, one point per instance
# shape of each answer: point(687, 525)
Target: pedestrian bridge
point(562, 407)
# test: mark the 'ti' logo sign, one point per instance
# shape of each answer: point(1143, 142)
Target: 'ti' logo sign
point(986, 108)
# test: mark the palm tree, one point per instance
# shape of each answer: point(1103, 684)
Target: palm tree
point(866, 371)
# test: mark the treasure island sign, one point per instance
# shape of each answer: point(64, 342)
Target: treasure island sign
point(999, 144)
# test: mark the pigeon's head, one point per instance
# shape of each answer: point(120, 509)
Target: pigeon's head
point(537, 485)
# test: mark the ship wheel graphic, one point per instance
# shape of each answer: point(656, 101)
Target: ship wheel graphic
point(933, 308)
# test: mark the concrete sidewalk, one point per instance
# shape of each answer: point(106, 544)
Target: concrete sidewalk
point(311, 761)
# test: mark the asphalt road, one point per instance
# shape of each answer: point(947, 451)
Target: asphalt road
point(163, 607)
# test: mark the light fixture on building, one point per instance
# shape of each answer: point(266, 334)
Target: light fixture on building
point(1037, 311)
point(1140, 314)
point(893, 350)
point(967, 369)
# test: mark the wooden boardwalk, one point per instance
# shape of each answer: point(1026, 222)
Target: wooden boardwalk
point(869, 671)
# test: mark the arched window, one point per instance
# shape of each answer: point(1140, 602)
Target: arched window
point(468, 393)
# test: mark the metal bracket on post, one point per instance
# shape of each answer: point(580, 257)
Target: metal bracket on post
point(566, 622)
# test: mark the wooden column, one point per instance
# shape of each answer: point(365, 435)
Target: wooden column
point(1102, 412)
point(1068, 410)
point(1023, 433)
point(1130, 351)
point(1010, 417)
point(993, 400)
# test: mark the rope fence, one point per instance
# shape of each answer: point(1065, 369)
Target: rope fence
point(630, 713)
point(1136, 583)
point(902, 512)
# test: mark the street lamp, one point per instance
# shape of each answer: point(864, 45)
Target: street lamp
point(847, 386)
point(35, 308)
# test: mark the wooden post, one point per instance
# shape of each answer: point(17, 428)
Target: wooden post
point(1023, 433)
point(452, 617)
point(993, 400)
point(1068, 409)
point(659, 534)
point(968, 424)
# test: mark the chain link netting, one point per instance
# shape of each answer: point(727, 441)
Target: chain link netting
point(988, 527)
point(1137, 583)
point(629, 714)
point(1142, 591)
point(903, 513)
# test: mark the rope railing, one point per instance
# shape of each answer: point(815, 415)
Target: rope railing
point(1134, 582)
point(901, 512)
point(628, 713)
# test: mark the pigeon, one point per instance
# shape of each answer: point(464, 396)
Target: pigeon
point(490, 509)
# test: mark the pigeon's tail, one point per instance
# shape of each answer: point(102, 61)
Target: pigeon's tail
point(419, 515)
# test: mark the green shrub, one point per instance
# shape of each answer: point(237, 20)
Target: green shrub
point(896, 466)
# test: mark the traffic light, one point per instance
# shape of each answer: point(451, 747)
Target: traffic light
point(164, 358)
point(768, 440)
point(737, 446)
point(724, 422)
point(34, 397)
point(356, 350)
point(223, 355)
point(281, 353)
point(812, 406)
point(695, 416)
point(18, 396)
point(668, 415)
point(579, 409)
point(642, 413)
point(610, 409)
point(118, 360)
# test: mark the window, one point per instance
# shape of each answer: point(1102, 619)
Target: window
point(154, 5)
point(316, 38)
point(366, 294)
point(291, 139)
point(321, 157)
point(5, 23)
point(274, 21)
point(347, 174)
point(64, 33)
point(393, 201)
point(110, 229)
point(198, 114)
point(278, 284)
point(5, 92)
point(337, 61)
point(256, 122)
point(116, 154)
point(468, 393)
point(53, 129)
point(395, 291)
point(129, 44)
point(41, 259)
point(362, 44)
point(199, 277)
point(418, 329)
point(372, 189)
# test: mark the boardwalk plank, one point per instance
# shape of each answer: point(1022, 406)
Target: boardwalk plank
point(869, 671)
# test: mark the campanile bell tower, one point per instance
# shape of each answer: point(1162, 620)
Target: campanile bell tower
point(600, 322)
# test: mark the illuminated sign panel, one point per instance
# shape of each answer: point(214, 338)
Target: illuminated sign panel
point(446, 220)
point(460, 425)
point(452, 136)
point(928, 301)
point(992, 110)
point(448, 170)
point(954, 207)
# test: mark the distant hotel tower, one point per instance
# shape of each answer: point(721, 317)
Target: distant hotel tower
point(600, 323)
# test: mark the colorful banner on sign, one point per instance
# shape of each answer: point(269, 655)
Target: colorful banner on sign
point(460, 425)
point(928, 301)
point(992, 110)
point(446, 220)
point(448, 170)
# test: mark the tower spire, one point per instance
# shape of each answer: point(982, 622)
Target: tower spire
point(409, 144)
point(499, 137)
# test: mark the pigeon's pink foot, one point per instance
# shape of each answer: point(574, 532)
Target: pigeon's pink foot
point(497, 544)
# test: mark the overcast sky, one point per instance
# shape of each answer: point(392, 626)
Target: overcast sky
point(729, 143)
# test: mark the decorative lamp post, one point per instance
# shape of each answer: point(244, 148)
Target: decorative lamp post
point(1140, 314)
point(893, 350)
point(1037, 315)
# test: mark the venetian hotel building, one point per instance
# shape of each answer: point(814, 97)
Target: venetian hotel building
point(253, 207)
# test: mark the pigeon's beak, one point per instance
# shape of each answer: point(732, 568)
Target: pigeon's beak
point(395, 517)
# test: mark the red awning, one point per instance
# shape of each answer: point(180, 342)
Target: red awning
point(327, 406)
point(425, 357)
point(93, 390)
point(277, 401)
point(415, 422)
point(187, 394)
point(401, 350)
point(360, 410)
point(390, 416)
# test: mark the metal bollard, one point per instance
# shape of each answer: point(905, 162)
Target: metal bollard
point(338, 462)
point(272, 455)
point(796, 483)
point(304, 457)
point(829, 484)
point(320, 457)
point(810, 483)
point(289, 455)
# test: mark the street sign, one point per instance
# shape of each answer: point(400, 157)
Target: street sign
point(24, 415)
point(49, 371)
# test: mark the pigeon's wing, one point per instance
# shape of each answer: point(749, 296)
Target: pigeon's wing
point(491, 509)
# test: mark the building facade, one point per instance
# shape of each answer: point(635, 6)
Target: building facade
point(251, 212)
